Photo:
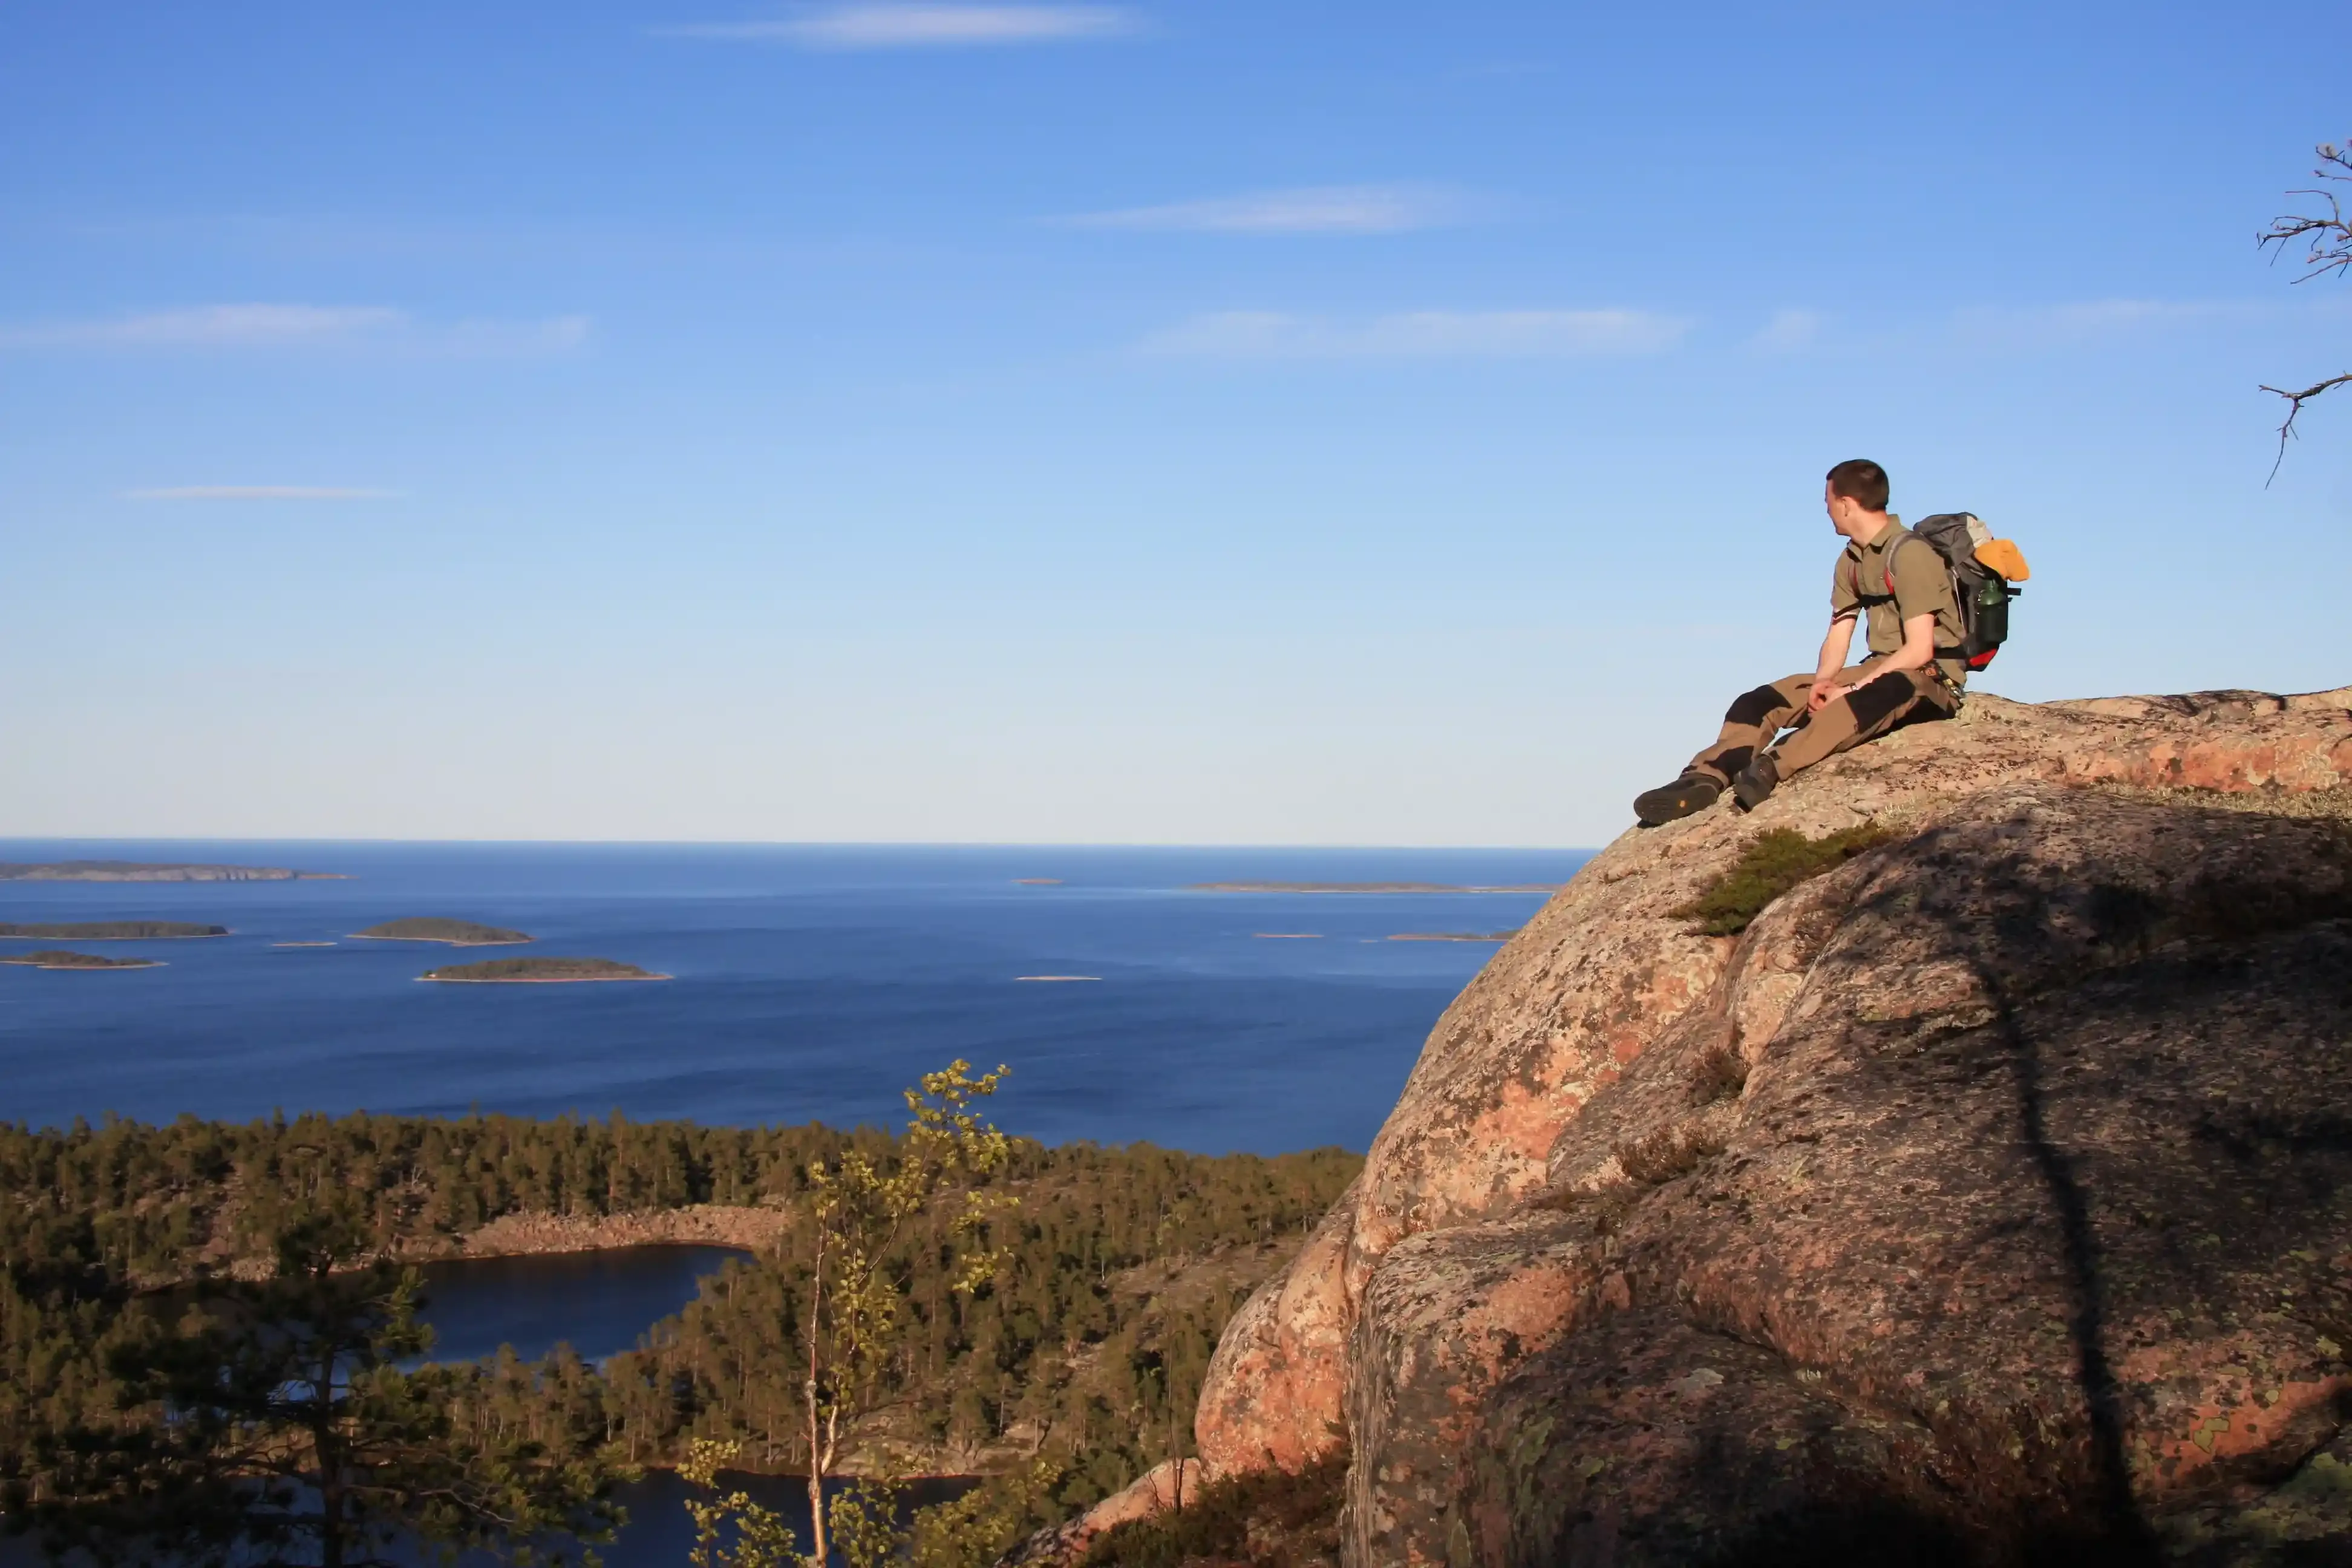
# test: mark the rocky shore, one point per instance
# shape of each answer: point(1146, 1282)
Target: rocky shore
point(532, 1234)
point(707, 1224)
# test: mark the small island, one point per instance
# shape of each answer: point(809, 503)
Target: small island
point(456, 933)
point(58, 958)
point(110, 931)
point(1036, 882)
point(538, 971)
point(150, 872)
point(1364, 888)
point(1454, 936)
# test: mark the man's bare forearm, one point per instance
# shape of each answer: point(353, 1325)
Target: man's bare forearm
point(1919, 649)
point(1834, 649)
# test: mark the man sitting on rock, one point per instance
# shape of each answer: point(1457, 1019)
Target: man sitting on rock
point(1908, 595)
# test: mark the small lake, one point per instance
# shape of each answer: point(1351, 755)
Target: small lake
point(597, 1302)
point(660, 1534)
point(600, 1303)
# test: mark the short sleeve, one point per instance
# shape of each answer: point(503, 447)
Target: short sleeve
point(1842, 600)
point(1922, 584)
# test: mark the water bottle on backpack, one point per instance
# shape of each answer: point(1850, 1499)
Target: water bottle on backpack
point(1985, 571)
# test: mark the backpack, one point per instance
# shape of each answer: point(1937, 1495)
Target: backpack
point(1981, 593)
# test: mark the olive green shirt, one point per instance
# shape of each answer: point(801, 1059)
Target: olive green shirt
point(1923, 586)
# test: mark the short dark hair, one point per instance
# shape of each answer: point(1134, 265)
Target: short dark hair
point(1860, 479)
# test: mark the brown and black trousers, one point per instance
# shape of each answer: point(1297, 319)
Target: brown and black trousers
point(1877, 703)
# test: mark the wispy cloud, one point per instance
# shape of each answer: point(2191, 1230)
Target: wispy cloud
point(1789, 331)
point(1310, 209)
point(1421, 335)
point(2011, 329)
point(882, 24)
point(301, 326)
point(551, 334)
point(2040, 326)
point(211, 325)
point(2028, 328)
point(256, 492)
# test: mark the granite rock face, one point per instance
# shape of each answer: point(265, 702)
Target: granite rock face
point(1990, 1192)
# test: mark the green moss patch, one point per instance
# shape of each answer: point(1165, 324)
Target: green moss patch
point(1775, 862)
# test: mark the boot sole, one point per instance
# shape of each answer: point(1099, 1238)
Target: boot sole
point(1654, 808)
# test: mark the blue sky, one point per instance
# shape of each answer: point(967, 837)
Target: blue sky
point(1205, 422)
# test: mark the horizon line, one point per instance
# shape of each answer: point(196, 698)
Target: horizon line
point(805, 843)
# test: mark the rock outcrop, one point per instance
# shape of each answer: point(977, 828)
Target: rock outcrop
point(1991, 1191)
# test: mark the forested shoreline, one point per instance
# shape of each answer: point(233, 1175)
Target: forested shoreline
point(160, 1204)
point(1108, 1275)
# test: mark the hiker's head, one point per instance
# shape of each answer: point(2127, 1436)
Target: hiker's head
point(1856, 495)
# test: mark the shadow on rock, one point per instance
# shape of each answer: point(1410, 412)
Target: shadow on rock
point(2024, 1240)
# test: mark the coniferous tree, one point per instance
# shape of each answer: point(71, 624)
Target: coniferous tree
point(273, 1424)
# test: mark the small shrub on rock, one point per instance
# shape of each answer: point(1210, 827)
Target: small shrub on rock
point(1670, 1152)
point(1268, 1519)
point(1719, 1073)
point(1775, 862)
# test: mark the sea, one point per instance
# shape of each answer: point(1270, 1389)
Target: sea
point(808, 983)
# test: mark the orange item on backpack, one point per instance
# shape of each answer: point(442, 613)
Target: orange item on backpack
point(2003, 557)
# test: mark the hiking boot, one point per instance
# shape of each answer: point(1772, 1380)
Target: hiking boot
point(1756, 783)
point(1689, 794)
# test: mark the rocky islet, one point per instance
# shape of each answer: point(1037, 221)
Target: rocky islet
point(440, 928)
point(150, 872)
point(538, 971)
point(59, 958)
point(110, 931)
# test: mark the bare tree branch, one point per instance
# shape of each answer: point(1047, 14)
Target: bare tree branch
point(2294, 406)
point(2327, 247)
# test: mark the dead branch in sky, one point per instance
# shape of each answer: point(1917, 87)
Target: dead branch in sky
point(2327, 247)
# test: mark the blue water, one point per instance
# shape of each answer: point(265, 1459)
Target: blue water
point(660, 1534)
point(599, 1303)
point(812, 984)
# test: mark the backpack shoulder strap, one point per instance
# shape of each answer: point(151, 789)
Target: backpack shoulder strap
point(1887, 560)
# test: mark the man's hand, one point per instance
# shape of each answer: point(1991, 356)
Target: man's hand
point(1824, 692)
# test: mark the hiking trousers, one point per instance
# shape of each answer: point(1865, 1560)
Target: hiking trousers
point(1876, 704)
